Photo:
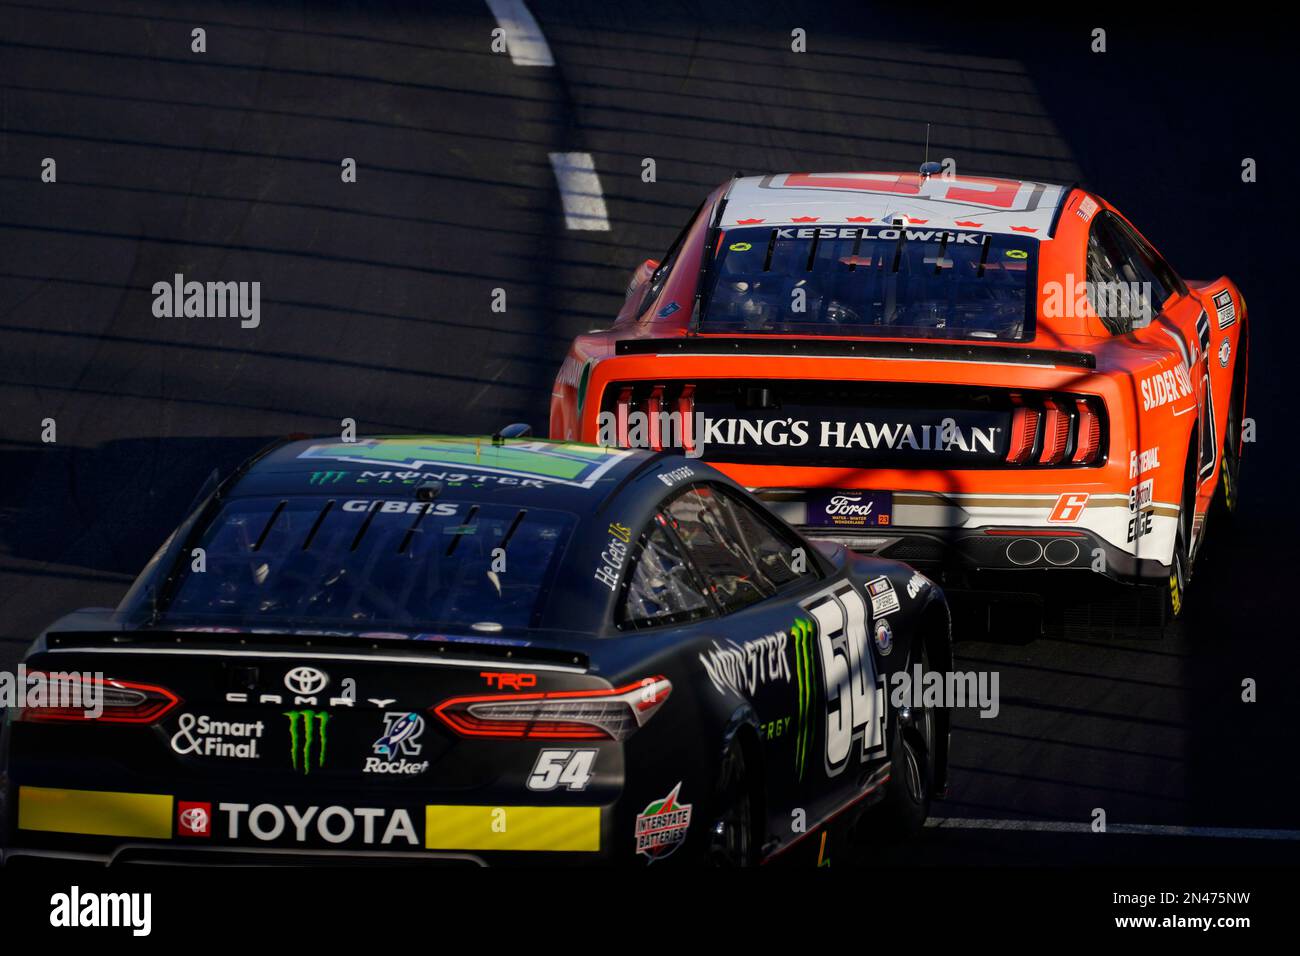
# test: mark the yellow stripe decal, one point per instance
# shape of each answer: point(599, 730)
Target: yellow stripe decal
point(94, 811)
point(556, 829)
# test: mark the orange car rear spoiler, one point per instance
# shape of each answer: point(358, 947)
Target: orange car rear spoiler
point(921, 351)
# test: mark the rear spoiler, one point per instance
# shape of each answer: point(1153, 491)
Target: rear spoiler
point(917, 351)
point(451, 647)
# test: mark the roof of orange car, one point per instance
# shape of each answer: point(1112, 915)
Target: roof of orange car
point(994, 205)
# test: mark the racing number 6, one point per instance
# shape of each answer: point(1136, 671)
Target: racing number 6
point(855, 702)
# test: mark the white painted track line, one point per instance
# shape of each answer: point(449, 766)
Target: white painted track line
point(584, 203)
point(524, 40)
point(1124, 829)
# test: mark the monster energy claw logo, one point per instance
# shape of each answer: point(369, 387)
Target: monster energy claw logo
point(305, 726)
point(801, 632)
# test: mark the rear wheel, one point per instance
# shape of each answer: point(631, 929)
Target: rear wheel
point(732, 840)
point(1226, 494)
point(1174, 591)
point(912, 758)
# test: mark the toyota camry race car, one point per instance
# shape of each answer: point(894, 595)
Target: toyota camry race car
point(978, 376)
point(495, 650)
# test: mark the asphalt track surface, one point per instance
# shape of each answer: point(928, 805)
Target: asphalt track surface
point(376, 300)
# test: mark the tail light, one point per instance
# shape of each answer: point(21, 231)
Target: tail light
point(561, 715)
point(1053, 431)
point(1024, 432)
point(1056, 434)
point(1088, 445)
point(668, 415)
point(623, 410)
point(72, 698)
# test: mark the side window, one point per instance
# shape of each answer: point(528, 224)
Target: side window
point(656, 283)
point(661, 589)
point(1127, 282)
point(701, 523)
point(778, 559)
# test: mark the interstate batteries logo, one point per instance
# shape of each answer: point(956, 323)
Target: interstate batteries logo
point(308, 736)
point(661, 827)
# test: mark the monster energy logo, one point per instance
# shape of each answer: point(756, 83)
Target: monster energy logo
point(326, 477)
point(802, 632)
point(305, 726)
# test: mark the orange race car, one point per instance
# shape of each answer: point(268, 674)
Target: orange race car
point(981, 377)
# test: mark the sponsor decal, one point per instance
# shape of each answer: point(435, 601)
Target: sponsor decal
point(389, 507)
point(677, 474)
point(667, 310)
point(193, 819)
point(567, 769)
point(1140, 524)
point(615, 553)
point(1165, 387)
point(1069, 507)
point(326, 477)
point(802, 634)
point(850, 509)
point(917, 583)
point(739, 247)
point(1225, 353)
point(1086, 209)
point(400, 740)
point(855, 694)
point(269, 822)
point(1225, 308)
point(308, 736)
point(504, 680)
point(1141, 495)
point(743, 668)
point(449, 479)
point(578, 465)
point(884, 599)
point(661, 827)
point(204, 736)
point(945, 436)
point(773, 729)
point(884, 638)
point(1140, 464)
point(306, 680)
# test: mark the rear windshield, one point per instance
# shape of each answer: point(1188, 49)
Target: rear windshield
point(874, 280)
point(272, 562)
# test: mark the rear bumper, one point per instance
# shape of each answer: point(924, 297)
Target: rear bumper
point(952, 537)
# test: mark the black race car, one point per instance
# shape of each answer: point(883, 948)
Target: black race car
point(484, 650)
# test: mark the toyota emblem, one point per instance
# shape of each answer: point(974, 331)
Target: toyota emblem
point(306, 680)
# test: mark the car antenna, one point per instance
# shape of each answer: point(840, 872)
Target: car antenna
point(928, 168)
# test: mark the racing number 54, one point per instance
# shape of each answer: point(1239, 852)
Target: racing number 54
point(855, 700)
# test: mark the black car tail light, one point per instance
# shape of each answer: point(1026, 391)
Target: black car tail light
point(613, 714)
point(118, 701)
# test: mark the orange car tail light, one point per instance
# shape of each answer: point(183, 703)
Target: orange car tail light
point(1056, 434)
point(1087, 448)
point(1024, 432)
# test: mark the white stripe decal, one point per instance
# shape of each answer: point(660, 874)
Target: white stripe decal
point(1124, 829)
point(524, 40)
point(584, 204)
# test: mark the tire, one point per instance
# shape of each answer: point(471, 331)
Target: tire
point(1227, 494)
point(1173, 593)
point(912, 749)
point(733, 835)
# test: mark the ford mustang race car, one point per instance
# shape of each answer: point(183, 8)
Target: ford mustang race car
point(981, 377)
point(479, 650)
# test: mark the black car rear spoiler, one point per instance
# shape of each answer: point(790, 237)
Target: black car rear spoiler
point(452, 647)
point(923, 351)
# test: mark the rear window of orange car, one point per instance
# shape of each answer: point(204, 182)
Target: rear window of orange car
point(888, 280)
